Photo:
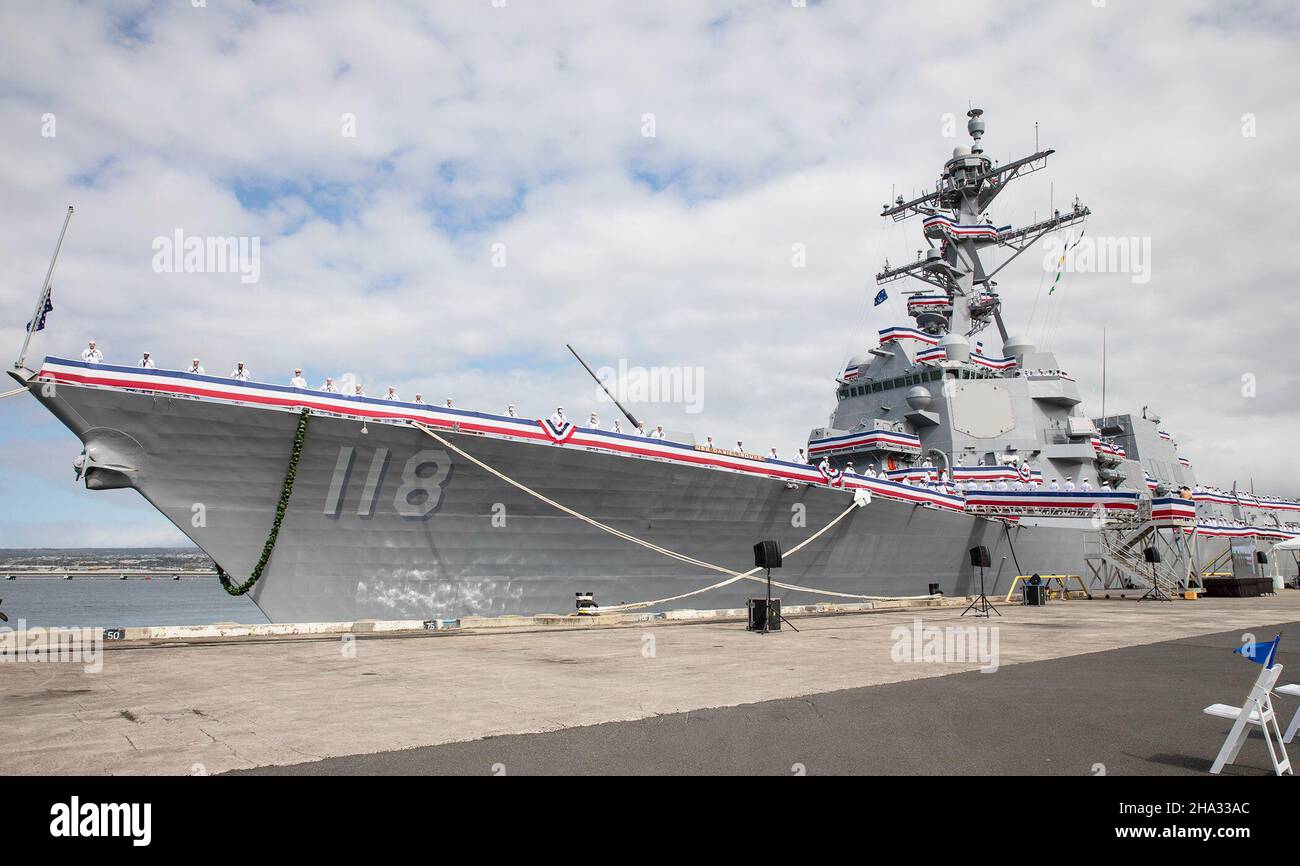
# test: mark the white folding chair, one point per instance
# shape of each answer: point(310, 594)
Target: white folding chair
point(1294, 691)
point(1258, 711)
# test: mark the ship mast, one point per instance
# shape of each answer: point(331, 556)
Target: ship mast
point(957, 229)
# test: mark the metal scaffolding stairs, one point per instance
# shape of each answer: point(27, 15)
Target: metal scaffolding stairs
point(1118, 565)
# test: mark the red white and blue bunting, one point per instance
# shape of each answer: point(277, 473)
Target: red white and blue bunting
point(558, 434)
point(1173, 508)
point(1051, 500)
point(992, 363)
point(867, 440)
point(900, 333)
point(940, 226)
point(994, 474)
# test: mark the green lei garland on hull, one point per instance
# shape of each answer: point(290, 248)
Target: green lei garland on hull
point(285, 492)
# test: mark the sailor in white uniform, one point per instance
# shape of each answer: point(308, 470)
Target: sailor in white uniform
point(871, 470)
point(195, 367)
point(92, 355)
point(708, 442)
point(658, 432)
point(357, 392)
point(329, 387)
point(392, 395)
point(1002, 485)
point(640, 430)
point(1086, 487)
point(825, 465)
point(618, 427)
point(772, 453)
point(740, 446)
point(1069, 484)
point(510, 411)
point(1055, 485)
point(449, 404)
point(146, 361)
point(848, 467)
point(419, 399)
point(593, 422)
point(240, 372)
point(297, 381)
point(557, 417)
point(802, 458)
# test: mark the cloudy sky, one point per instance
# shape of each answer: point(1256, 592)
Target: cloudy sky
point(648, 172)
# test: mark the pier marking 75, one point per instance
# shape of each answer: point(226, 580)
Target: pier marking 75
point(420, 494)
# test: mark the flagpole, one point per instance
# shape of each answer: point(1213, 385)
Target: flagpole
point(45, 293)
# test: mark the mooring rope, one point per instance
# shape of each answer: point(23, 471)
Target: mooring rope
point(12, 393)
point(286, 490)
point(733, 575)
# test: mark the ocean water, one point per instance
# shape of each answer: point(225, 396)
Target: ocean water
point(109, 602)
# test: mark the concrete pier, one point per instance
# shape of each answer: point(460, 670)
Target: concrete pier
point(209, 705)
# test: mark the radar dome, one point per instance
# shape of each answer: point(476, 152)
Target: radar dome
point(960, 150)
point(919, 399)
point(1017, 347)
point(956, 347)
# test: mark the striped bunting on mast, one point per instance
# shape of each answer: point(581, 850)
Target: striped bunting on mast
point(940, 226)
point(901, 333)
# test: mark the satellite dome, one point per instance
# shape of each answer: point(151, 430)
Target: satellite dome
point(956, 347)
point(1017, 347)
point(960, 150)
point(919, 398)
point(857, 361)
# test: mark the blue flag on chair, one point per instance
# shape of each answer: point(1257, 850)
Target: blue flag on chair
point(1260, 653)
point(46, 310)
point(881, 297)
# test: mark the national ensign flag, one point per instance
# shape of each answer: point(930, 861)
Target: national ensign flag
point(46, 310)
point(881, 297)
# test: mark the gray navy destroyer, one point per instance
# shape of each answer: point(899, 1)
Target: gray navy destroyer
point(341, 507)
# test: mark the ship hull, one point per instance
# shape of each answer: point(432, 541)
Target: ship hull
point(388, 523)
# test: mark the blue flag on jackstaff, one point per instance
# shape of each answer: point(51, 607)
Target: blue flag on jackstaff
point(1260, 653)
point(881, 296)
point(46, 310)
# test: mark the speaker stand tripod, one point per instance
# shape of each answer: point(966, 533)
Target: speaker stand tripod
point(981, 605)
point(1155, 593)
point(768, 614)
